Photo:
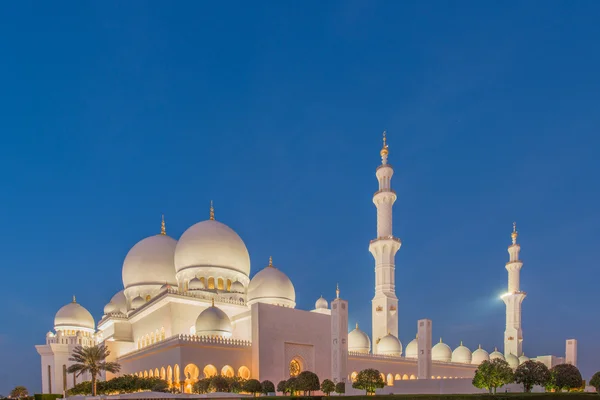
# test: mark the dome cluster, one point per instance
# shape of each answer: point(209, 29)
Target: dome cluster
point(209, 256)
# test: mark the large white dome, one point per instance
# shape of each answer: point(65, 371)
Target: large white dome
point(441, 352)
point(212, 244)
point(479, 356)
point(150, 262)
point(412, 349)
point(462, 355)
point(321, 304)
point(73, 316)
point(358, 341)
point(213, 322)
point(271, 286)
point(389, 345)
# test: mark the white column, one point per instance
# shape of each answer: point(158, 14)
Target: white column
point(424, 349)
point(513, 299)
point(339, 340)
point(571, 352)
point(383, 248)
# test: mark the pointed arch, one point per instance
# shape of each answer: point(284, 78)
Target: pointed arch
point(397, 377)
point(163, 373)
point(413, 377)
point(169, 374)
point(162, 333)
point(176, 374)
point(244, 372)
point(211, 283)
point(209, 371)
point(227, 371)
point(390, 380)
point(353, 376)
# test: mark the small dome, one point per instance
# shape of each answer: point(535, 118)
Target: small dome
point(523, 359)
point(137, 302)
point(512, 360)
point(441, 352)
point(389, 345)
point(412, 349)
point(321, 304)
point(196, 284)
point(271, 286)
point(237, 287)
point(211, 244)
point(462, 355)
point(496, 354)
point(479, 356)
point(150, 262)
point(213, 322)
point(118, 303)
point(358, 341)
point(73, 316)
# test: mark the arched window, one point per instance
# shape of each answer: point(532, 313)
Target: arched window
point(244, 372)
point(152, 338)
point(405, 377)
point(211, 283)
point(209, 371)
point(413, 377)
point(162, 333)
point(169, 375)
point(390, 380)
point(228, 285)
point(148, 298)
point(176, 374)
point(203, 280)
point(353, 376)
point(227, 371)
point(220, 284)
point(163, 373)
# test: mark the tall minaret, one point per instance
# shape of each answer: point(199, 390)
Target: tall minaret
point(383, 249)
point(513, 335)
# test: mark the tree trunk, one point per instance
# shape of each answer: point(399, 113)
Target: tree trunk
point(93, 384)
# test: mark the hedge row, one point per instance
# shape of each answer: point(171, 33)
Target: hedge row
point(47, 396)
point(478, 396)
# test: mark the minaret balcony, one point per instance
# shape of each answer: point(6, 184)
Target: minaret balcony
point(395, 239)
point(384, 191)
point(384, 166)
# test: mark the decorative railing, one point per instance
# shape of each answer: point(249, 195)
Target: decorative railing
point(218, 298)
point(183, 338)
point(383, 166)
point(386, 238)
point(384, 191)
point(382, 356)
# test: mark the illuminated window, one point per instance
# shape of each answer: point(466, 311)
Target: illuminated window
point(148, 298)
point(220, 284)
point(295, 368)
point(228, 285)
point(211, 283)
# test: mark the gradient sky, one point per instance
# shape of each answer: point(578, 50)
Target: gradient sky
point(113, 113)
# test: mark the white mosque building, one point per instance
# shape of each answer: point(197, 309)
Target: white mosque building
point(190, 309)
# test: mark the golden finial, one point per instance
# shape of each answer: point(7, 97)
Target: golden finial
point(357, 325)
point(440, 340)
point(461, 343)
point(337, 291)
point(514, 233)
point(163, 229)
point(213, 301)
point(384, 150)
point(74, 299)
point(270, 262)
point(480, 346)
point(212, 211)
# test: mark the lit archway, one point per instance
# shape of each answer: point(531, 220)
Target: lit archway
point(227, 371)
point(295, 366)
point(145, 374)
point(390, 380)
point(211, 283)
point(353, 376)
point(244, 372)
point(439, 377)
point(412, 377)
point(176, 374)
point(151, 374)
point(405, 377)
point(169, 375)
point(156, 373)
point(191, 372)
point(382, 376)
point(397, 377)
point(229, 285)
point(220, 285)
point(163, 373)
point(209, 371)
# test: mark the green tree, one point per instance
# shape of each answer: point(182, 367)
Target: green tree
point(340, 387)
point(565, 376)
point(236, 384)
point(282, 387)
point(19, 392)
point(292, 385)
point(219, 383)
point(92, 359)
point(252, 386)
point(595, 381)
point(307, 382)
point(267, 387)
point(368, 380)
point(532, 373)
point(327, 386)
point(491, 375)
point(201, 386)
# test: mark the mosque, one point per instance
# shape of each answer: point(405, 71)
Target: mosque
point(190, 309)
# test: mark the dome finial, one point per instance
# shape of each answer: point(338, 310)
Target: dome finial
point(440, 340)
point(337, 291)
point(461, 343)
point(74, 299)
point(212, 211)
point(357, 325)
point(213, 301)
point(384, 150)
point(163, 228)
point(514, 233)
point(270, 262)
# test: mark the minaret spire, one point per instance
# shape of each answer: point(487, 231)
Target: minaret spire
point(74, 299)
point(212, 211)
point(270, 262)
point(513, 299)
point(337, 291)
point(163, 229)
point(384, 248)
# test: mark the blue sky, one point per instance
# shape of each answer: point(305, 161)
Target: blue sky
point(113, 113)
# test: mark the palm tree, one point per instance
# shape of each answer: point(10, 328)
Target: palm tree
point(92, 359)
point(19, 392)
